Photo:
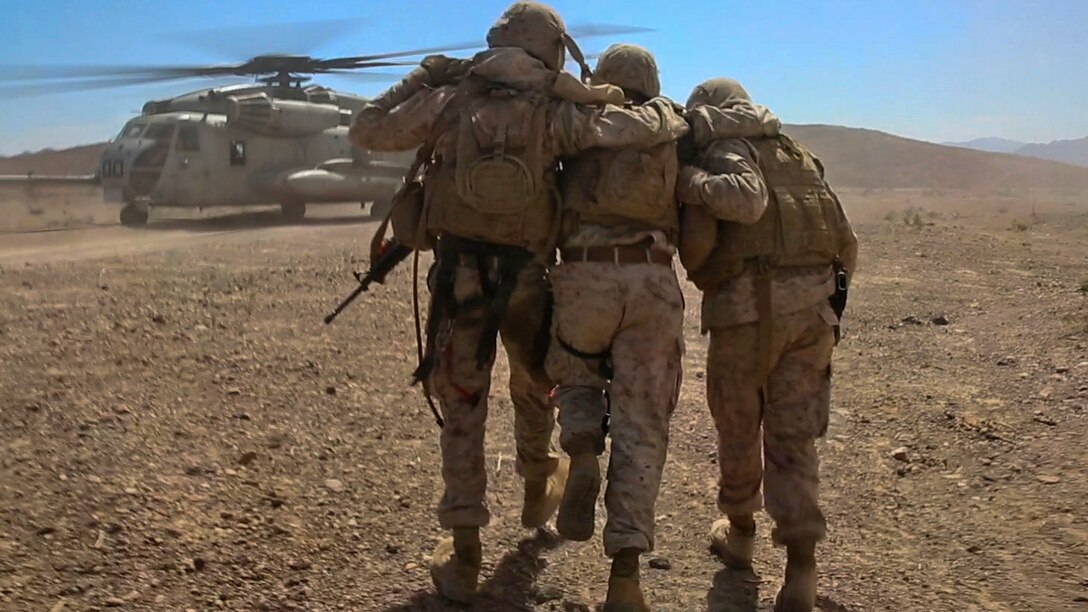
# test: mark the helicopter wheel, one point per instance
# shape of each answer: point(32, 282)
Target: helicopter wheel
point(293, 212)
point(133, 216)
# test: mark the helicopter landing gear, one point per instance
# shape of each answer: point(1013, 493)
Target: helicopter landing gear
point(293, 212)
point(133, 215)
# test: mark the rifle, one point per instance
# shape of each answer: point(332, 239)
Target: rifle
point(390, 254)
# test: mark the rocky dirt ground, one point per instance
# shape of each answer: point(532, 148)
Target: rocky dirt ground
point(179, 431)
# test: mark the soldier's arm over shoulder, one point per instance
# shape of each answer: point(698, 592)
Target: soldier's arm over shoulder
point(736, 190)
point(398, 120)
point(576, 127)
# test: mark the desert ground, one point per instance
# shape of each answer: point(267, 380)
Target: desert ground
point(179, 430)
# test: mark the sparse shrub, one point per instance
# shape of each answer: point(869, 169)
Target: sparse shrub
point(890, 217)
point(1019, 226)
point(1084, 286)
point(1002, 210)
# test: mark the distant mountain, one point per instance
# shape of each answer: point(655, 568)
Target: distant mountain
point(854, 158)
point(76, 160)
point(992, 145)
point(871, 159)
point(1067, 151)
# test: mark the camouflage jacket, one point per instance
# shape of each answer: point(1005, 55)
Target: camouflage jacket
point(729, 184)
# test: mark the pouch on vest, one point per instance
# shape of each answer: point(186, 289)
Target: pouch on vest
point(408, 219)
point(501, 174)
point(698, 236)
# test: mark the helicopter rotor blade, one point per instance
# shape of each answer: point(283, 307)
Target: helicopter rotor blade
point(44, 89)
point(585, 30)
point(290, 37)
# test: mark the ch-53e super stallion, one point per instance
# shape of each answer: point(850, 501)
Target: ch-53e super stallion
point(277, 140)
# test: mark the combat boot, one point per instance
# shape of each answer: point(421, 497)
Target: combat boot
point(732, 540)
point(455, 565)
point(624, 590)
point(575, 520)
point(798, 593)
point(542, 496)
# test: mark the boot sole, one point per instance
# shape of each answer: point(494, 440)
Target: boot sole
point(576, 520)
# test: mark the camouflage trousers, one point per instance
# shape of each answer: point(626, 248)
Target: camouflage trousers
point(635, 313)
point(792, 416)
point(461, 389)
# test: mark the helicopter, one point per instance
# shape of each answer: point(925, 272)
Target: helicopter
point(278, 140)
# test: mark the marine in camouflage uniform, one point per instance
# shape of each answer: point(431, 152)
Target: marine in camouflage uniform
point(499, 124)
point(763, 233)
point(619, 315)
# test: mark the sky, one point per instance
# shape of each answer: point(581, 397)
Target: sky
point(939, 70)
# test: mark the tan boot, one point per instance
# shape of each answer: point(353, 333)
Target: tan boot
point(542, 496)
point(732, 540)
point(455, 565)
point(575, 520)
point(798, 593)
point(624, 590)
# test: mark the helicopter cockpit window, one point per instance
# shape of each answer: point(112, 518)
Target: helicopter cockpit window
point(187, 139)
point(161, 132)
point(237, 153)
point(132, 130)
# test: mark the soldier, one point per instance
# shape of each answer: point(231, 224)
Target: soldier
point(619, 315)
point(488, 198)
point(764, 237)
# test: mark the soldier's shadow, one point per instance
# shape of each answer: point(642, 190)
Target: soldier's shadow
point(511, 586)
point(734, 591)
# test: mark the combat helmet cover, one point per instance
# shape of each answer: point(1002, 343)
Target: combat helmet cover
point(534, 27)
point(631, 67)
point(719, 92)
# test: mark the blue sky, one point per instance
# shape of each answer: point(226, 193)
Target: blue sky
point(929, 69)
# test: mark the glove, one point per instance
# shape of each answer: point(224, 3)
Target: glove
point(688, 182)
point(444, 70)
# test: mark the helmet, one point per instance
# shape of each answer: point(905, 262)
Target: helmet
point(630, 67)
point(720, 92)
point(534, 27)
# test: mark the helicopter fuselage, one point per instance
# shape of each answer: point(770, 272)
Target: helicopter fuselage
point(246, 146)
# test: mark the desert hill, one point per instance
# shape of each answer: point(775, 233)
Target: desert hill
point(993, 145)
point(1066, 151)
point(870, 159)
point(855, 158)
point(76, 160)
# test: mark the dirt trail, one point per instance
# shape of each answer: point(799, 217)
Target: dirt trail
point(180, 431)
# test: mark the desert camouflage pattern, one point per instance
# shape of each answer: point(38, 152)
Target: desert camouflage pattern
point(462, 389)
point(402, 122)
point(636, 311)
point(771, 440)
point(402, 119)
point(769, 403)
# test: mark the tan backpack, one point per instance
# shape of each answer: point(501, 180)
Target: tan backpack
point(635, 187)
point(499, 187)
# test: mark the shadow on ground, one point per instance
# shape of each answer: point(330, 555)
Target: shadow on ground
point(511, 587)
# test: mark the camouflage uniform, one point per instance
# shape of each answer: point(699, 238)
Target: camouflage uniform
point(772, 380)
point(619, 315)
point(402, 119)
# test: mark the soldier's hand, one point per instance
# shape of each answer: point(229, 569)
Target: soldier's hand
point(688, 182)
point(612, 94)
point(444, 70)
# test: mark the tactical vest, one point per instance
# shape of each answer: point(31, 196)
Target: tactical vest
point(633, 187)
point(799, 228)
point(499, 186)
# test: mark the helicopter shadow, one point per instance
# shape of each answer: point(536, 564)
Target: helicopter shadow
point(251, 221)
point(510, 586)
